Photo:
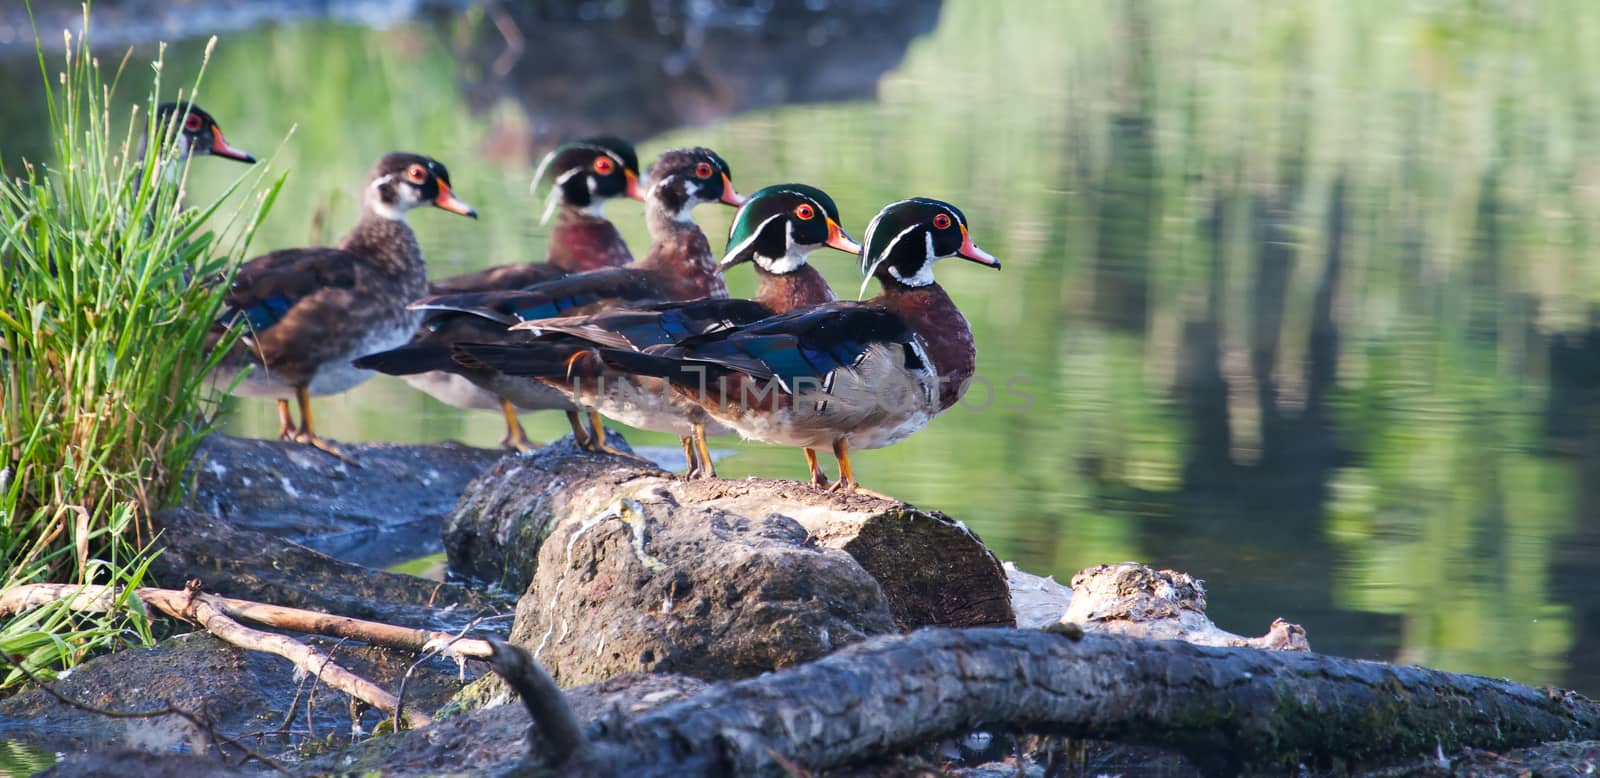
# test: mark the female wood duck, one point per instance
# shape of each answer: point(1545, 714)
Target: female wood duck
point(584, 175)
point(844, 374)
point(197, 133)
point(775, 230)
point(679, 266)
point(307, 312)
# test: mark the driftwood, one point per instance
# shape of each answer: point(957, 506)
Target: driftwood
point(933, 570)
point(1227, 709)
point(221, 616)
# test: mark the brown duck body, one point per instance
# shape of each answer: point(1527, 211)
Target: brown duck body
point(342, 302)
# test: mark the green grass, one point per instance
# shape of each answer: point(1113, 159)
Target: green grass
point(108, 289)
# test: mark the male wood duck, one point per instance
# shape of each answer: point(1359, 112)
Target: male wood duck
point(307, 312)
point(678, 266)
point(775, 230)
point(583, 176)
point(197, 133)
point(841, 374)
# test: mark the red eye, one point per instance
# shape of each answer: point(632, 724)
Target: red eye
point(942, 221)
point(416, 173)
point(703, 170)
point(804, 211)
point(604, 165)
point(191, 122)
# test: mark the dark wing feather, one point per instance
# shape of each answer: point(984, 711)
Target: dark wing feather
point(431, 348)
point(266, 288)
point(801, 347)
point(500, 277)
point(578, 293)
point(655, 325)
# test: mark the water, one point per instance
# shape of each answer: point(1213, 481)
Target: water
point(1300, 297)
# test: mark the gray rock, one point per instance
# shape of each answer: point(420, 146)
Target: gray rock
point(645, 585)
point(492, 739)
point(239, 691)
point(387, 510)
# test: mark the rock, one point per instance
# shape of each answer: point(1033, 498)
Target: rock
point(1137, 601)
point(1038, 600)
point(489, 740)
point(387, 510)
point(239, 691)
point(934, 571)
point(251, 565)
point(494, 533)
point(646, 584)
point(125, 762)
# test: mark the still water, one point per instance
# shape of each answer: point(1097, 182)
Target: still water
point(1298, 298)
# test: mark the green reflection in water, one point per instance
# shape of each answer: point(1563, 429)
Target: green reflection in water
point(19, 760)
point(1284, 285)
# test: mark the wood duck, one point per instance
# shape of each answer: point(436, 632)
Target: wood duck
point(775, 230)
point(841, 374)
point(308, 312)
point(679, 266)
point(584, 175)
point(197, 133)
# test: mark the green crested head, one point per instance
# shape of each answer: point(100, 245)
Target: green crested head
point(781, 224)
point(907, 237)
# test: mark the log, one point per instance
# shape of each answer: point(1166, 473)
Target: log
point(1226, 709)
point(934, 571)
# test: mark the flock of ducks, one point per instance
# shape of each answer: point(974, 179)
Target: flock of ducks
point(654, 342)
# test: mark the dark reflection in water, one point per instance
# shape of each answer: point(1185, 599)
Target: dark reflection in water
point(1301, 296)
point(638, 69)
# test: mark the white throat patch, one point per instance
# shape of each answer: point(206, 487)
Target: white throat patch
point(393, 212)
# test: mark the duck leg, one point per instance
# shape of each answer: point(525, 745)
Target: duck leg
point(579, 434)
point(597, 439)
point(516, 438)
point(847, 478)
point(817, 476)
point(307, 435)
point(285, 421)
point(707, 469)
point(693, 470)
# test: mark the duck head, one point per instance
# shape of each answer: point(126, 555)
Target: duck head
point(907, 237)
point(683, 178)
point(400, 182)
point(780, 225)
point(195, 132)
point(586, 173)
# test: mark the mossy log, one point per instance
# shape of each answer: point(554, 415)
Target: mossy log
point(1227, 709)
point(933, 570)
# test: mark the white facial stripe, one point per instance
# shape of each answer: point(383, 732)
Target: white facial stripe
point(567, 175)
point(895, 241)
point(744, 244)
point(538, 172)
